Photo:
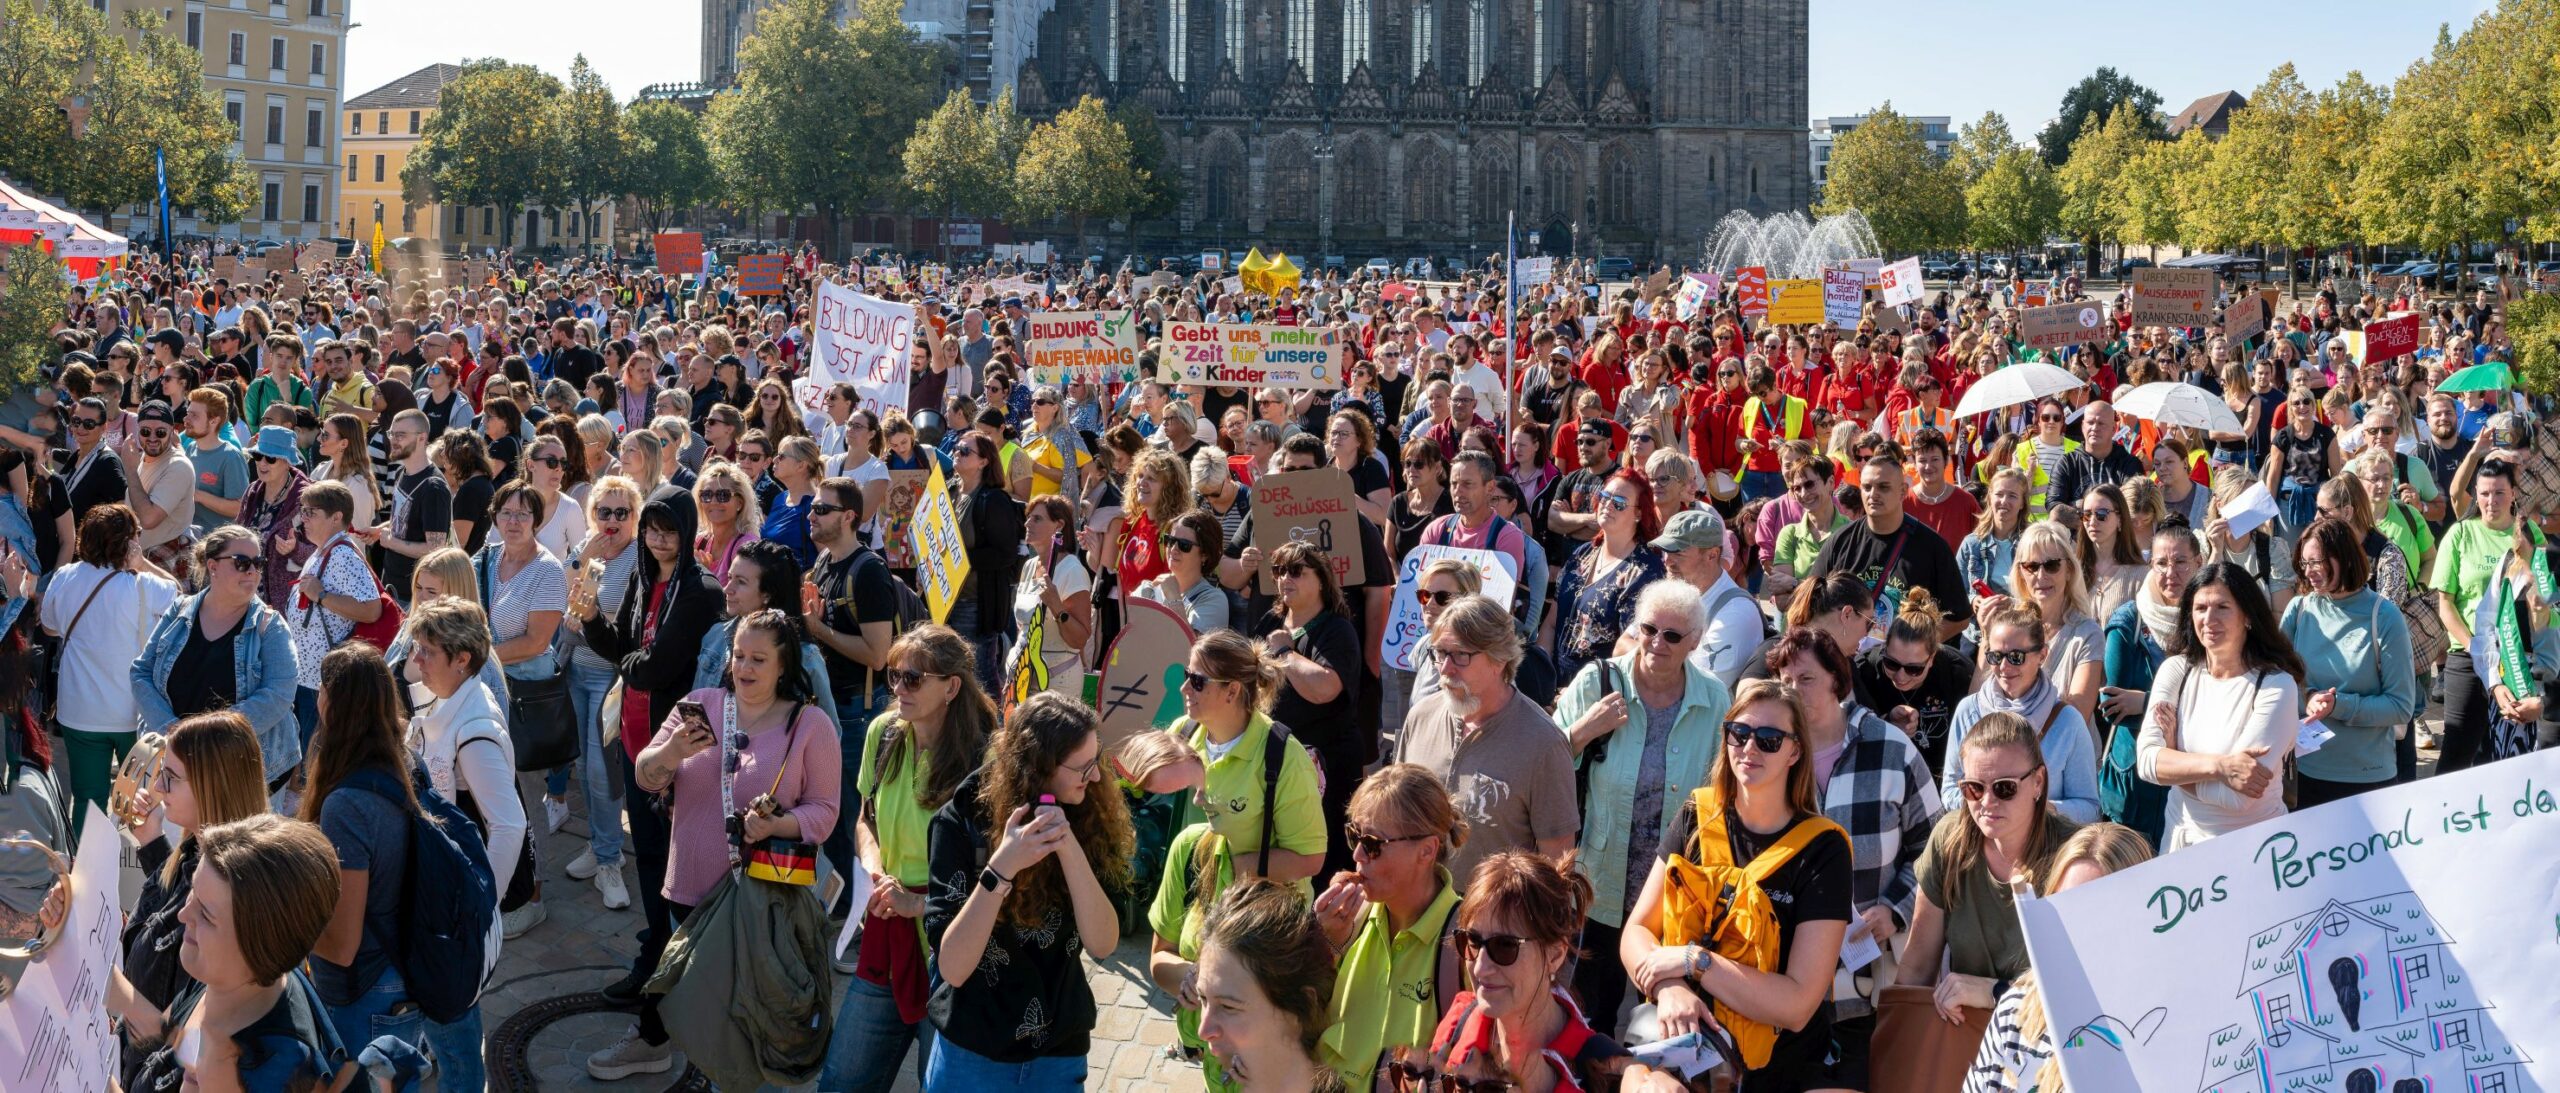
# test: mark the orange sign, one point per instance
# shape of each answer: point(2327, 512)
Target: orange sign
point(1751, 287)
point(760, 274)
point(679, 252)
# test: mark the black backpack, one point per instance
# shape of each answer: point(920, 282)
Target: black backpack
point(448, 901)
point(911, 611)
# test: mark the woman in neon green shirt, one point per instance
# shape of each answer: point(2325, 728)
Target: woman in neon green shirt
point(2489, 569)
point(1390, 918)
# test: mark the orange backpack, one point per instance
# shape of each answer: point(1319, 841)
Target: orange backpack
point(1719, 905)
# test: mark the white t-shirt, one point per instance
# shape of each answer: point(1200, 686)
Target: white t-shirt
point(1733, 633)
point(96, 692)
point(1066, 662)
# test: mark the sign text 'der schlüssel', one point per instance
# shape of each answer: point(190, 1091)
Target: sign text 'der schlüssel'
point(1237, 354)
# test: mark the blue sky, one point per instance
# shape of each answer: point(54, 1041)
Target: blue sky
point(1964, 57)
point(1954, 57)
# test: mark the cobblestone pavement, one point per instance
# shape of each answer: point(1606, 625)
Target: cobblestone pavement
point(581, 947)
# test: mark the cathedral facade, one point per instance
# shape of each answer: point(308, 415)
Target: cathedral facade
point(1402, 128)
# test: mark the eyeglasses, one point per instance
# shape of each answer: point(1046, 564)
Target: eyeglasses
point(748, 456)
point(903, 679)
point(1435, 597)
point(1896, 667)
point(1368, 843)
point(165, 779)
point(242, 562)
point(2000, 789)
point(2010, 656)
point(1194, 681)
point(821, 508)
point(1767, 738)
point(1038, 401)
point(613, 512)
point(1180, 546)
point(515, 516)
point(2048, 565)
point(1455, 658)
point(1503, 948)
point(719, 497)
point(1591, 440)
point(1668, 636)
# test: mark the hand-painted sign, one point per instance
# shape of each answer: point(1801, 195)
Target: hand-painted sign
point(1093, 346)
point(1318, 507)
point(1404, 620)
point(1252, 355)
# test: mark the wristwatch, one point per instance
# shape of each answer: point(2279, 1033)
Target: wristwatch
point(991, 880)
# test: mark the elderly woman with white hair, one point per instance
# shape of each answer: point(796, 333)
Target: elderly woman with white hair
point(1052, 458)
point(1640, 772)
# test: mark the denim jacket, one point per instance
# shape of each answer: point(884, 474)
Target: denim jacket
point(712, 665)
point(263, 678)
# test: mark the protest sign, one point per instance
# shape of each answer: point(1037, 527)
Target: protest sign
point(315, 256)
point(678, 252)
point(941, 561)
point(1533, 271)
point(1315, 507)
point(761, 274)
point(1657, 284)
point(55, 1036)
point(1889, 320)
point(1212, 260)
point(2246, 318)
point(2400, 939)
point(861, 340)
point(2063, 324)
point(2171, 297)
point(898, 516)
point(1867, 268)
point(277, 260)
point(1023, 287)
point(1252, 355)
point(1163, 279)
point(1695, 291)
point(226, 267)
point(1231, 285)
point(2391, 338)
point(2390, 284)
point(1899, 282)
point(1141, 679)
point(2033, 297)
point(1404, 620)
point(1844, 295)
point(1795, 302)
point(1095, 346)
point(294, 287)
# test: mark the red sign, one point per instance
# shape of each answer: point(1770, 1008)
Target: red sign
point(2393, 337)
point(1393, 291)
point(1751, 287)
point(679, 252)
point(760, 274)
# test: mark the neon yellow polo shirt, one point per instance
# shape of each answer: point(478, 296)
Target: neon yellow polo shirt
point(1232, 792)
point(896, 817)
point(1177, 917)
point(1386, 990)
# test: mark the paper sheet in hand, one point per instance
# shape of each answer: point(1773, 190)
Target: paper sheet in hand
point(1859, 949)
point(2315, 735)
point(2252, 508)
point(1687, 1056)
point(861, 886)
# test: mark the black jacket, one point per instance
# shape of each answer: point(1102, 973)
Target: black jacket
point(662, 665)
point(991, 532)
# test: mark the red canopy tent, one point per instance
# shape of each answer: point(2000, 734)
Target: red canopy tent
point(86, 248)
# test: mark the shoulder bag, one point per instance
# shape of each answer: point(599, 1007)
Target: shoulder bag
point(540, 720)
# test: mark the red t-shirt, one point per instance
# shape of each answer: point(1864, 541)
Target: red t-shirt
point(1141, 557)
point(1952, 517)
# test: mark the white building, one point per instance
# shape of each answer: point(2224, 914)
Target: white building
point(1939, 132)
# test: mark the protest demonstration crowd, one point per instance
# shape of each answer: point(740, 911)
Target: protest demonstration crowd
point(1510, 682)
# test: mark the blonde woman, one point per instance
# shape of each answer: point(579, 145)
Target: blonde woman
point(2256, 552)
point(1159, 490)
point(726, 498)
point(2046, 578)
point(2017, 1053)
point(345, 461)
point(597, 434)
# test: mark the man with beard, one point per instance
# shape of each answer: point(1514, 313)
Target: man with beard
point(342, 388)
point(222, 471)
point(2443, 448)
point(162, 491)
point(1506, 764)
point(421, 516)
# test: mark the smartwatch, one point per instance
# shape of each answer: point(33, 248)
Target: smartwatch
point(991, 880)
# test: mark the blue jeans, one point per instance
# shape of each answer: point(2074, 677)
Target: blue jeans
point(306, 714)
point(1760, 484)
point(460, 1068)
point(986, 637)
point(870, 1041)
point(2301, 505)
point(382, 1010)
point(954, 1069)
point(587, 687)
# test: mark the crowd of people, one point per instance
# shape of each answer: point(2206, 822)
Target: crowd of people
point(1803, 679)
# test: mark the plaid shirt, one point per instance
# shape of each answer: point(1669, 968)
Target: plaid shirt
point(1883, 794)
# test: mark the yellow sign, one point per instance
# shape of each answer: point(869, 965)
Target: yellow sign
point(1795, 302)
point(941, 562)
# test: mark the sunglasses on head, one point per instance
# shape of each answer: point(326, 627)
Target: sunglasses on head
point(2000, 789)
point(1504, 949)
point(2010, 656)
point(907, 679)
point(1767, 738)
point(1372, 844)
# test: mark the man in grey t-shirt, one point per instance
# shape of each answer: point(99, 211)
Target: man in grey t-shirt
point(1506, 764)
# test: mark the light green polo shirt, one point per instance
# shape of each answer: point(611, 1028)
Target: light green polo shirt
point(1386, 988)
point(1176, 916)
point(1231, 795)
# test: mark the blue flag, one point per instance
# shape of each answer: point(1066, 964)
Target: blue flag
point(160, 165)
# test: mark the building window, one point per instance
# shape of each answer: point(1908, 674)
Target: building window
point(1424, 35)
point(1232, 29)
point(2457, 1032)
point(275, 123)
point(382, 121)
point(231, 111)
point(355, 123)
point(1110, 45)
point(313, 131)
point(573, 222)
point(1537, 42)
point(239, 49)
point(488, 220)
point(1177, 40)
point(1355, 35)
point(1302, 35)
point(2280, 1011)
point(319, 58)
point(2415, 968)
point(275, 54)
point(2494, 1082)
point(351, 166)
point(1479, 44)
point(272, 207)
point(310, 202)
point(377, 168)
point(459, 224)
point(195, 30)
point(319, 9)
point(413, 121)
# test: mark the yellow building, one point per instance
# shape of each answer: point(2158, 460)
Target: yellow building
point(278, 67)
point(382, 126)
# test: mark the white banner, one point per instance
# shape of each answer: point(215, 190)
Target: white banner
point(1899, 283)
point(1533, 271)
point(861, 340)
point(1094, 346)
point(54, 1033)
point(1404, 621)
point(2400, 940)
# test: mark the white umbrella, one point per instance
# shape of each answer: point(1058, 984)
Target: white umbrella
point(2022, 382)
point(2179, 404)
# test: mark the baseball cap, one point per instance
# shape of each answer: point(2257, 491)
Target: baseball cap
point(1592, 427)
point(156, 410)
point(1695, 529)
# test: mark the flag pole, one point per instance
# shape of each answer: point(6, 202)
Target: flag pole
point(1510, 304)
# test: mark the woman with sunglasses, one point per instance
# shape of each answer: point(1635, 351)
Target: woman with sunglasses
point(796, 465)
point(2256, 553)
point(2047, 579)
point(1762, 787)
point(1596, 593)
point(1190, 586)
point(774, 412)
point(223, 649)
point(2225, 710)
point(1015, 1010)
point(1227, 691)
point(547, 471)
point(730, 516)
point(1514, 932)
point(344, 461)
point(914, 759)
point(2017, 646)
point(2110, 550)
point(272, 507)
point(1914, 679)
point(2040, 452)
point(1390, 920)
point(2305, 454)
point(1053, 458)
point(2000, 827)
point(1799, 543)
point(992, 537)
point(1643, 727)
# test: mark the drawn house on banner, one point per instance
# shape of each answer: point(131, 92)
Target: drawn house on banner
point(2361, 997)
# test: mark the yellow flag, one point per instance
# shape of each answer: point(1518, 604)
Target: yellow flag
point(377, 247)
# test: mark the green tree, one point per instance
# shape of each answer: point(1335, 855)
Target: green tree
point(40, 54)
point(2015, 203)
point(139, 93)
point(2092, 179)
point(1078, 166)
point(593, 157)
point(2533, 323)
point(1162, 193)
point(1885, 170)
point(1978, 145)
point(477, 148)
point(669, 164)
point(31, 306)
point(2096, 97)
point(2159, 195)
point(823, 107)
point(954, 162)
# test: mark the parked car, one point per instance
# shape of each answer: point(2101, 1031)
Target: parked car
point(2125, 268)
point(258, 248)
point(1379, 266)
point(1615, 268)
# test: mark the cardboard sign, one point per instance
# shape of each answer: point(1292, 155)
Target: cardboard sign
point(1023, 287)
point(680, 253)
point(54, 1033)
point(1141, 679)
point(277, 260)
point(2172, 297)
point(941, 561)
point(2391, 338)
point(1795, 302)
point(2391, 284)
point(898, 516)
point(1317, 507)
point(1213, 260)
point(761, 274)
point(295, 287)
point(1899, 282)
point(1094, 346)
point(2064, 324)
point(1252, 355)
point(2245, 318)
point(1751, 290)
point(2353, 946)
point(315, 256)
point(861, 340)
point(1404, 621)
point(1656, 285)
point(1844, 295)
point(1163, 279)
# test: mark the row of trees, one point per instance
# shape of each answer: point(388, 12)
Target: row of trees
point(2457, 151)
point(88, 104)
